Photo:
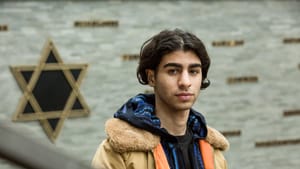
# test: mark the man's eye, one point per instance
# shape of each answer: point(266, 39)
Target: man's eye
point(194, 72)
point(172, 71)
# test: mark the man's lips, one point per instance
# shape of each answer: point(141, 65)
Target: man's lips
point(184, 96)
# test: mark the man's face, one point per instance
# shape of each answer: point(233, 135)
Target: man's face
point(177, 81)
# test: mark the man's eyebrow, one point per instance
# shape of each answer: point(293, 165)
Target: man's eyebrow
point(179, 65)
point(172, 65)
point(195, 65)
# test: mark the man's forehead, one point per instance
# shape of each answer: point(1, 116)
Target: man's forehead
point(181, 57)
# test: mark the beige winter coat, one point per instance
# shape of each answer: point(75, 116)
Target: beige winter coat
point(128, 147)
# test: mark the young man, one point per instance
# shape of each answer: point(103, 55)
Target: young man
point(162, 131)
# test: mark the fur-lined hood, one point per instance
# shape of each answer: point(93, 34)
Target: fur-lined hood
point(124, 137)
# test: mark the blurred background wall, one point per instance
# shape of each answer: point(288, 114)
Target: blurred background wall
point(255, 109)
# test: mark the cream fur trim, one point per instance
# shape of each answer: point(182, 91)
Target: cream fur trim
point(124, 137)
point(216, 139)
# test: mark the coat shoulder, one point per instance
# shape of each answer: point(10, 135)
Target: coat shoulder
point(217, 139)
point(123, 137)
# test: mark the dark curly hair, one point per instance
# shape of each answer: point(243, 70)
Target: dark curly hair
point(168, 41)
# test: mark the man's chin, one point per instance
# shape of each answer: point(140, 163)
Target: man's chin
point(184, 106)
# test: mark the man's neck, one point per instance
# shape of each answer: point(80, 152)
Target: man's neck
point(174, 122)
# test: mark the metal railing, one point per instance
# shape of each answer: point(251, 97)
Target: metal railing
point(31, 154)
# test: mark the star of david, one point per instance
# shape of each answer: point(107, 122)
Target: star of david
point(50, 91)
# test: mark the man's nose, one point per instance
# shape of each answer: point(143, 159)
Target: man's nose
point(184, 80)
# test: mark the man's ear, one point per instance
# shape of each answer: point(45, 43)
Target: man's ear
point(150, 77)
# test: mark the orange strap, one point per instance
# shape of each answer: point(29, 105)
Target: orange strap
point(160, 158)
point(161, 161)
point(207, 154)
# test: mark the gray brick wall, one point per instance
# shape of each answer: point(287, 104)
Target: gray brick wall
point(254, 108)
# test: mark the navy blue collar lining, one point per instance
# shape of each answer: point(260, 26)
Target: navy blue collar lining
point(139, 112)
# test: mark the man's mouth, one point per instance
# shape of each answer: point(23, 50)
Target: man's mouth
point(184, 96)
